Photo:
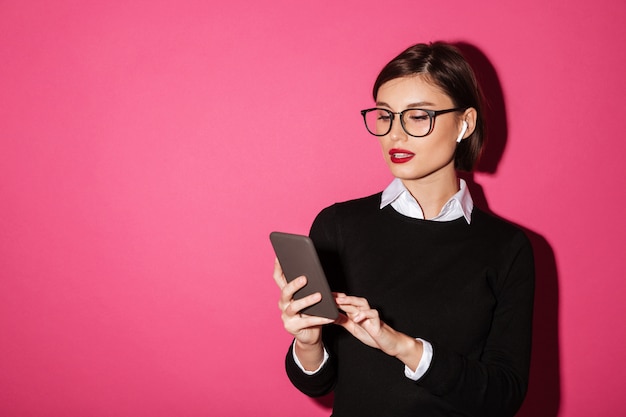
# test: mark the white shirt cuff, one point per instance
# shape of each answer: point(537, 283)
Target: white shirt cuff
point(422, 367)
point(295, 358)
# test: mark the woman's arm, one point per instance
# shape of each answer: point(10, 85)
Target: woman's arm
point(364, 323)
point(496, 383)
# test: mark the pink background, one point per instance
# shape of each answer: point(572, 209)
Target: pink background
point(147, 149)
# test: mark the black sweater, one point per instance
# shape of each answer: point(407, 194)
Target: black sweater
point(466, 288)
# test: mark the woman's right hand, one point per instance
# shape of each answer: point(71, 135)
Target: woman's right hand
point(306, 329)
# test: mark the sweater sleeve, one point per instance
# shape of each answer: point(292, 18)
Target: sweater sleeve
point(323, 381)
point(496, 383)
point(315, 385)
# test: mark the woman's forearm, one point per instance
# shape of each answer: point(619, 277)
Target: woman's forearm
point(310, 356)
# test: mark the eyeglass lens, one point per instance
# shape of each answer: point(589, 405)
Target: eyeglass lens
point(415, 122)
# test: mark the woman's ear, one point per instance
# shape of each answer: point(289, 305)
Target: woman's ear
point(469, 124)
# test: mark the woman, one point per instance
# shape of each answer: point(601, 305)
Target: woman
point(437, 295)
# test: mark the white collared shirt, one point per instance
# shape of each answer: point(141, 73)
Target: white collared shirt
point(396, 194)
point(459, 205)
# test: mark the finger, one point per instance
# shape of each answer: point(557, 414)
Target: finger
point(298, 324)
point(311, 321)
point(292, 287)
point(279, 277)
point(288, 291)
point(295, 322)
point(359, 302)
point(342, 320)
point(363, 315)
point(296, 306)
point(348, 308)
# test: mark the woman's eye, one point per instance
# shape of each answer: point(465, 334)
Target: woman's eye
point(383, 116)
point(417, 117)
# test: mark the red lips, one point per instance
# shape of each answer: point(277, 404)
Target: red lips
point(400, 156)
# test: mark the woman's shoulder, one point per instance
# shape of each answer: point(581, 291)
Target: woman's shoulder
point(348, 212)
point(368, 202)
point(355, 207)
point(498, 228)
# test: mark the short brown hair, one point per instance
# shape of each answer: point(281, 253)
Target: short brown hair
point(444, 66)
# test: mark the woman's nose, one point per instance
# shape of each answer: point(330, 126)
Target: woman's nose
point(397, 131)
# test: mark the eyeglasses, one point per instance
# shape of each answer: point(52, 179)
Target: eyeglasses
point(415, 122)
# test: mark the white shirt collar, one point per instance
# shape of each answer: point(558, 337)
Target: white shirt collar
point(459, 205)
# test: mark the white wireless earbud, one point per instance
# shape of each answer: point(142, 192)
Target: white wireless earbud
point(463, 130)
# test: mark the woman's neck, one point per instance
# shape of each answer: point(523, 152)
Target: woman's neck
point(432, 193)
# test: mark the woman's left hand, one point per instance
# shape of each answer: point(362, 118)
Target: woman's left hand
point(364, 323)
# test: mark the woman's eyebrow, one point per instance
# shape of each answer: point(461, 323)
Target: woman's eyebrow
point(412, 105)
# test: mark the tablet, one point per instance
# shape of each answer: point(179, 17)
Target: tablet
point(297, 256)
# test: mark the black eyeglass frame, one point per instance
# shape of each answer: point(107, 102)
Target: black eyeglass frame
point(432, 114)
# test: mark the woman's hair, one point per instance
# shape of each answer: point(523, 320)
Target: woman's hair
point(443, 65)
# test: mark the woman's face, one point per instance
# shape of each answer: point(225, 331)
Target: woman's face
point(415, 158)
